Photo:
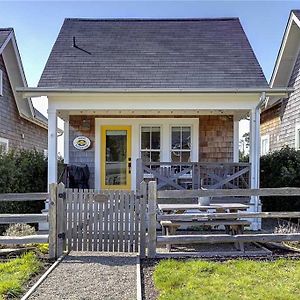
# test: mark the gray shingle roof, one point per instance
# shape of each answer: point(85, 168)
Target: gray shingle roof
point(179, 53)
point(4, 33)
point(297, 13)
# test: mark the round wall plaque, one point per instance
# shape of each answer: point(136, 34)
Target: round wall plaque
point(81, 142)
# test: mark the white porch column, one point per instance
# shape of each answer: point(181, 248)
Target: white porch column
point(254, 157)
point(236, 139)
point(52, 146)
point(66, 141)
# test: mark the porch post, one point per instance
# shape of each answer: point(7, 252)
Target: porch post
point(236, 139)
point(254, 157)
point(52, 146)
point(66, 141)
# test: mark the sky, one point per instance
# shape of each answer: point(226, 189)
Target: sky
point(37, 23)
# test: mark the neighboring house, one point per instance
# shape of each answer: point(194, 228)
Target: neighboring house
point(21, 125)
point(280, 120)
point(171, 92)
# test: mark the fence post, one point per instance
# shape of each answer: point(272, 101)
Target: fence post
point(60, 219)
point(143, 207)
point(152, 195)
point(52, 220)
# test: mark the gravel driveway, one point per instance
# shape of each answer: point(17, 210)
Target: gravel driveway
point(91, 275)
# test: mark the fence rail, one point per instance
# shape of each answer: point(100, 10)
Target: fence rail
point(230, 193)
point(23, 218)
point(23, 197)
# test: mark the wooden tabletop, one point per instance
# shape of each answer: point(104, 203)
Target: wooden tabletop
point(174, 207)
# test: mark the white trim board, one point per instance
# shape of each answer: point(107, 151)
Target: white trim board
point(135, 124)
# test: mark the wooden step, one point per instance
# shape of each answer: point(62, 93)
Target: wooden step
point(226, 238)
point(20, 240)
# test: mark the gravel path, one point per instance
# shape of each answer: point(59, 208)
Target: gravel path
point(91, 275)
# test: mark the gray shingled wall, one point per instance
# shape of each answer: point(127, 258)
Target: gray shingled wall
point(280, 121)
point(12, 126)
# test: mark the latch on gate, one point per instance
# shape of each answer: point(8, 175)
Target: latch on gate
point(61, 235)
point(62, 195)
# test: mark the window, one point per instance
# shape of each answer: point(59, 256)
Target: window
point(3, 144)
point(1, 83)
point(181, 143)
point(150, 143)
point(265, 144)
point(297, 137)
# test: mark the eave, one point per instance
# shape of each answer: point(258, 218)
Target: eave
point(40, 91)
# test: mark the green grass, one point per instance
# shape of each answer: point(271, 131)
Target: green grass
point(236, 279)
point(43, 248)
point(16, 272)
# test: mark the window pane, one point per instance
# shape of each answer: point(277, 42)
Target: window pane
point(155, 156)
point(175, 156)
point(116, 153)
point(155, 142)
point(186, 156)
point(145, 156)
point(145, 137)
point(186, 137)
point(176, 133)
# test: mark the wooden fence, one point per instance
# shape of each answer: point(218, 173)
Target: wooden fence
point(23, 218)
point(91, 220)
point(155, 240)
point(193, 175)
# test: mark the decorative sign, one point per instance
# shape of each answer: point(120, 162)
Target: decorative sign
point(81, 143)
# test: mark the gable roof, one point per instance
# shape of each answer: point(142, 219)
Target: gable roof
point(158, 54)
point(11, 56)
point(288, 52)
point(4, 33)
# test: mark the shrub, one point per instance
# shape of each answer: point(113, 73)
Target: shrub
point(19, 230)
point(280, 169)
point(22, 171)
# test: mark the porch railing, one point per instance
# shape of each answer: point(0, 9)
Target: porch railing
point(194, 175)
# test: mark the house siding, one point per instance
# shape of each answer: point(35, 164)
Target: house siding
point(280, 120)
point(215, 139)
point(12, 126)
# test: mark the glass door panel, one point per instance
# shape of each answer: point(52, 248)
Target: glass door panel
point(116, 157)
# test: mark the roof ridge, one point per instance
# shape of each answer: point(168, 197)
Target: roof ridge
point(150, 19)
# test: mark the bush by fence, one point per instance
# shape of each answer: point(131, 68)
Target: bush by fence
point(22, 171)
point(280, 169)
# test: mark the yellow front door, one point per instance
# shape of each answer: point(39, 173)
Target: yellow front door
point(116, 157)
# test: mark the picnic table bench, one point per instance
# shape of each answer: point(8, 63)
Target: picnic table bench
point(232, 226)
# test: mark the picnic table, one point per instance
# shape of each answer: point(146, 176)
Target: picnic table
point(232, 225)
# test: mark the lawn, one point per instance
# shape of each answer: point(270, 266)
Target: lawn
point(235, 279)
point(16, 272)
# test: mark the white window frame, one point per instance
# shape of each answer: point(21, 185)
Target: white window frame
point(181, 150)
point(263, 138)
point(1, 83)
point(297, 140)
point(6, 142)
point(151, 150)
